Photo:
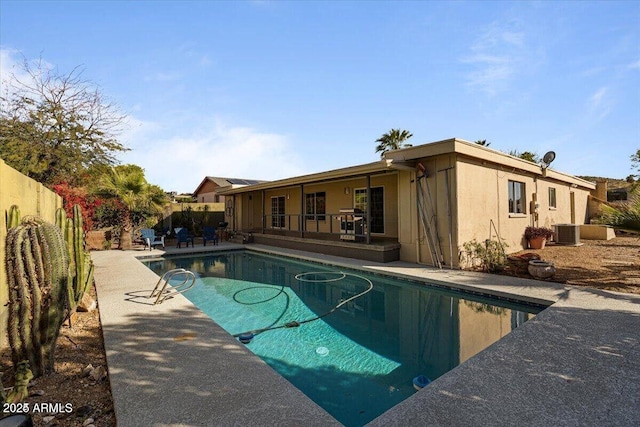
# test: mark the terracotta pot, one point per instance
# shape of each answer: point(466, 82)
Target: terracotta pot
point(537, 242)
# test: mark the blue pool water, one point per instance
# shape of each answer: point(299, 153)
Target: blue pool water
point(356, 360)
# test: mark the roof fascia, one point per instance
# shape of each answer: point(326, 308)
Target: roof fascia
point(349, 172)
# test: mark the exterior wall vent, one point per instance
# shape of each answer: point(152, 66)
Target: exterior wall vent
point(567, 234)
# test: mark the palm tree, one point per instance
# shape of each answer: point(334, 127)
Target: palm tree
point(393, 140)
point(140, 199)
point(483, 142)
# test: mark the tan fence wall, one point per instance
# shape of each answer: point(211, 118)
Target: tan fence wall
point(32, 198)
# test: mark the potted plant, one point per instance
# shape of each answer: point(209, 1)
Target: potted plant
point(537, 236)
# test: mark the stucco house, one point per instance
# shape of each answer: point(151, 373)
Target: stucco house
point(208, 189)
point(418, 204)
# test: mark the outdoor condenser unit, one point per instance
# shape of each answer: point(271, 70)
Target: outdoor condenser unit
point(567, 234)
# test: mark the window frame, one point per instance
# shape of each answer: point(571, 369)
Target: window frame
point(553, 198)
point(517, 192)
point(277, 217)
point(376, 221)
point(315, 206)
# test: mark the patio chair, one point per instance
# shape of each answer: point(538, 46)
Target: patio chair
point(150, 238)
point(209, 233)
point(183, 236)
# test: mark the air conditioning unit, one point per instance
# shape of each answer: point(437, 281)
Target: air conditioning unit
point(567, 234)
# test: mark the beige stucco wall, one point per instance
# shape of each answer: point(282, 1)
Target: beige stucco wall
point(208, 193)
point(415, 247)
point(483, 203)
point(339, 194)
point(479, 206)
point(33, 199)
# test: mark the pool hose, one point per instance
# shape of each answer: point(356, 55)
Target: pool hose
point(247, 336)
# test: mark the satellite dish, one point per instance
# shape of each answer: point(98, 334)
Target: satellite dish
point(548, 158)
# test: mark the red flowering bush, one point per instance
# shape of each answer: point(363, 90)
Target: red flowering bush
point(78, 196)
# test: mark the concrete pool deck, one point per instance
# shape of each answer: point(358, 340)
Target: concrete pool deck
point(576, 363)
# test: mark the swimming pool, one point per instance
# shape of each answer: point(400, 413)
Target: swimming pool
point(351, 341)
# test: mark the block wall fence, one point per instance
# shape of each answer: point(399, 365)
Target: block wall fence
point(32, 198)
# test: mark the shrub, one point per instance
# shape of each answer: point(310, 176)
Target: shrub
point(488, 255)
point(532, 232)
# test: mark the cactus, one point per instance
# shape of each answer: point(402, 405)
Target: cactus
point(61, 218)
point(37, 266)
point(81, 266)
point(13, 217)
point(23, 375)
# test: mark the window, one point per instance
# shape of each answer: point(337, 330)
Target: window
point(277, 212)
point(516, 197)
point(552, 197)
point(315, 206)
point(377, 206)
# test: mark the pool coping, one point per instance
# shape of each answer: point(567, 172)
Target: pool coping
point(575, 363)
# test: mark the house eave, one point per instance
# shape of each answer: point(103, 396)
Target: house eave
point(482, 153)
point(380, 166)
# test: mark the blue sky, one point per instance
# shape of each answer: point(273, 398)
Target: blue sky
point(270, 90)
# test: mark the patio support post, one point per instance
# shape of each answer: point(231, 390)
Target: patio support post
point(301, 219)
point(368, 209)
point(263, 217)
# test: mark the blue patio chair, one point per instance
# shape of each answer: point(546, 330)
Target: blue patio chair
point(150, 238)
point(183, 236)
point(209, 233)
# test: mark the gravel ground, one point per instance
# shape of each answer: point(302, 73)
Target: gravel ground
point(604, 264)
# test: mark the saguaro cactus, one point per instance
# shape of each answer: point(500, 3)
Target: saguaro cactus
point(37, 265)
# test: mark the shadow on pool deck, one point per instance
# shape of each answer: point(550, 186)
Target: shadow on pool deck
point(575, 363)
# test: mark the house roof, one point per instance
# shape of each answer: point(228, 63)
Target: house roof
point(227, 182)
point(477, 151)
point(406, 159)
point(342, 173)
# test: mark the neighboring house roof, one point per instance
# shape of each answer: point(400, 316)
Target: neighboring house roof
point(406, 159)
point(227, 182)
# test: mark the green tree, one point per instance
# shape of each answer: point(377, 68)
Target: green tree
point(54, 126)
point(526, 155)
point(635, 161)
point(483, 142)
point(141, 200)
point(393, 140)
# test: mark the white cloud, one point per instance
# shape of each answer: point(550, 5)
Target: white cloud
point(179, 161)
point(497, 56)
point(10, 65)
point(635, 65)
point(599, 105)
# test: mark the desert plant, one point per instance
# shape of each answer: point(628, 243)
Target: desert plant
point(13, 217)
point(19, 391)
point(488, 255)
point(625, 216)
point(81, 266)
point(533, 232)
point(37, 266)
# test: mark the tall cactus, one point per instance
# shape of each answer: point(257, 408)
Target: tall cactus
point(37, 265)
point(13, 217)
point(81, 266)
